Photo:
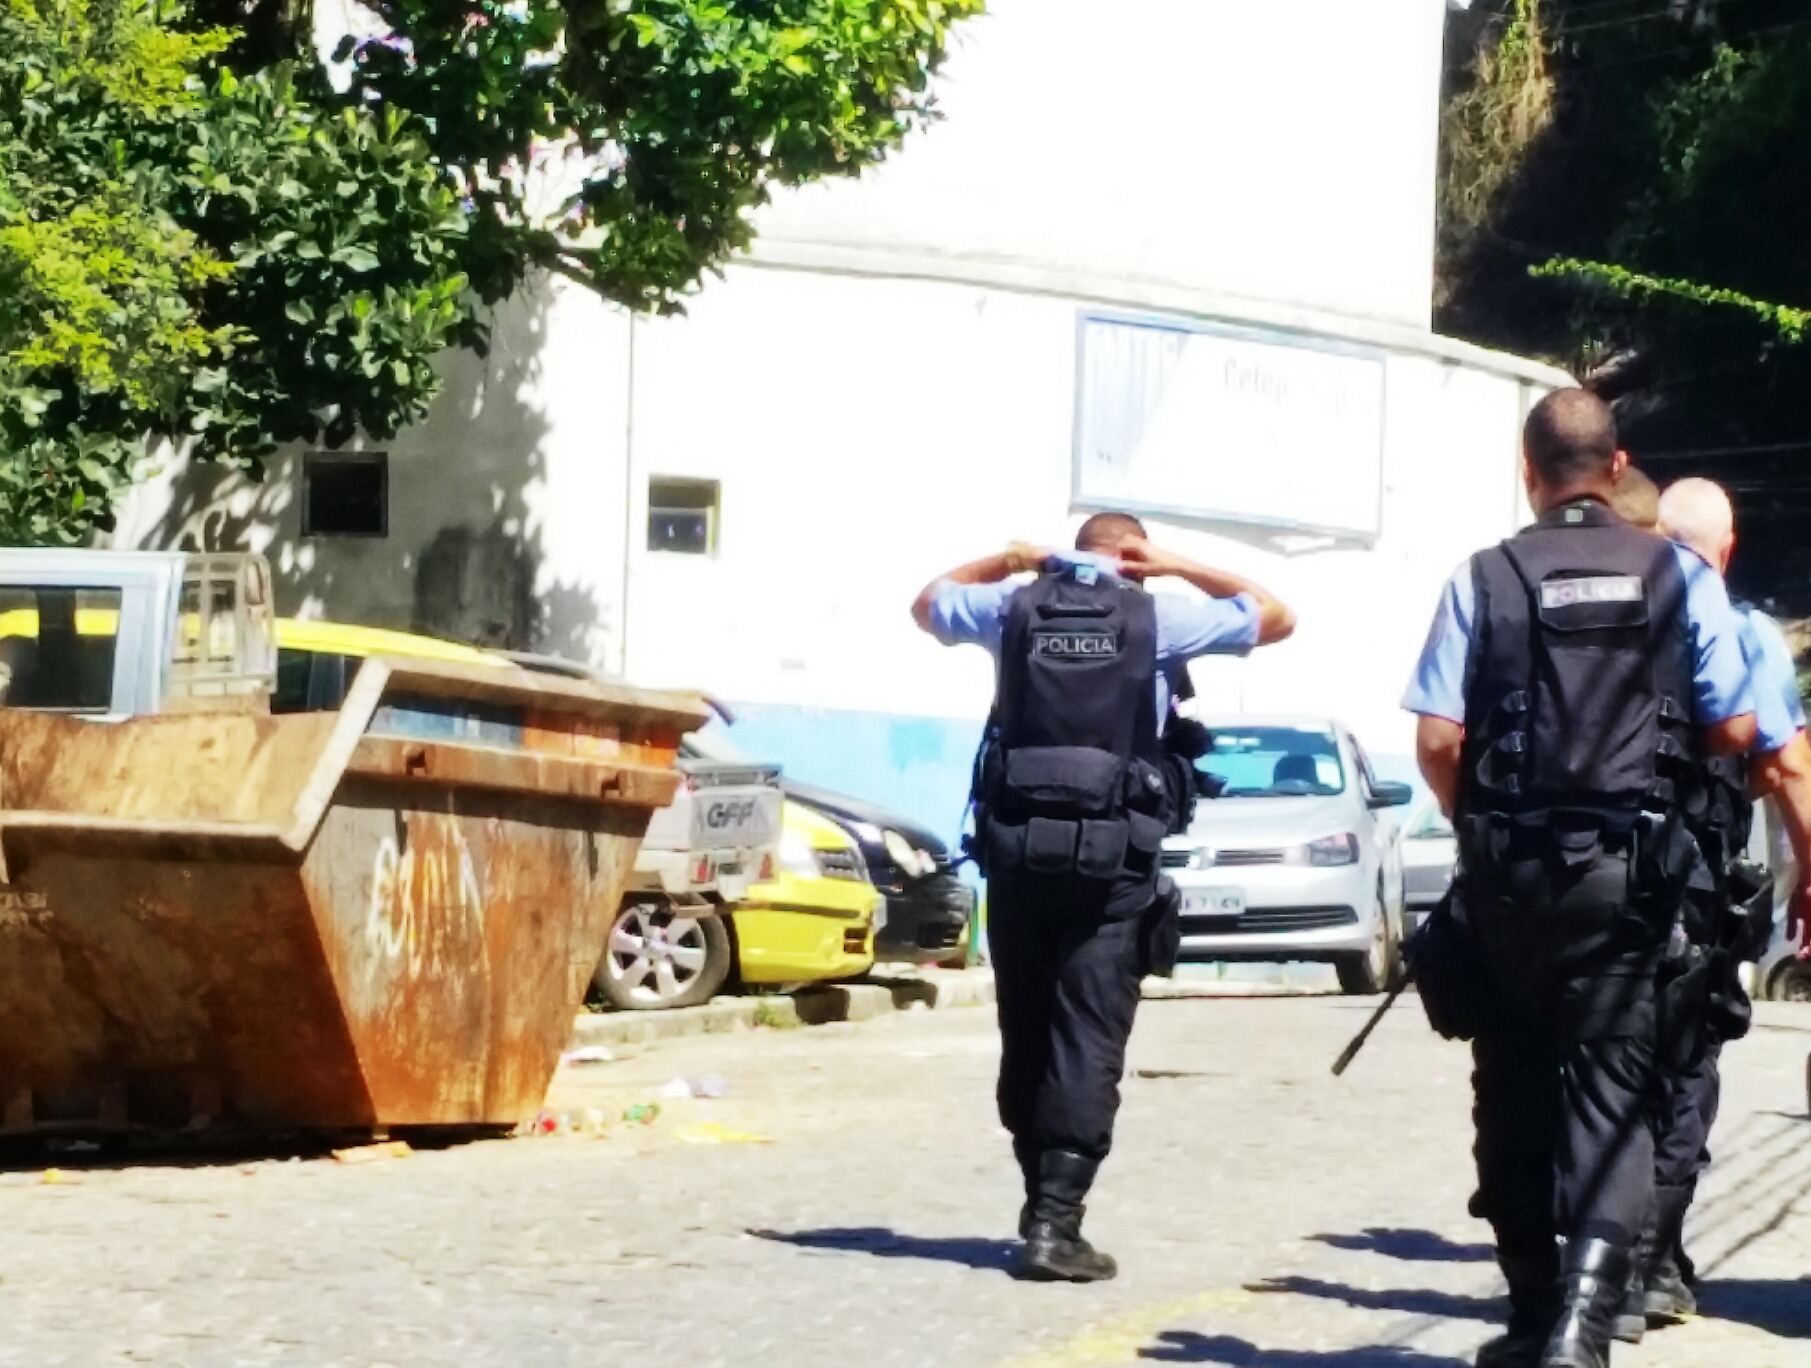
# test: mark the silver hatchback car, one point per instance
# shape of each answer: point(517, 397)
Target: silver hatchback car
point(1295, 859)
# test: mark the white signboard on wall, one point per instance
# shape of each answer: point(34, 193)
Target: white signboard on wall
point(1207, 423)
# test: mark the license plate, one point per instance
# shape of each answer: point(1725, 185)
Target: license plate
point(1213, 902)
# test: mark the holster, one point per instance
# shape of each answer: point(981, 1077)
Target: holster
point(1160, 932)
point(1449, 976)
point(1744, 930)
point(1683, 993)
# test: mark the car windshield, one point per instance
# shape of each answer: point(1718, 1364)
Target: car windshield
point(1429, 823)
point(1276, 762)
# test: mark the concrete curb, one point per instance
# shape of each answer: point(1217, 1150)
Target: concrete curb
point(881, 994)
point(1181, 990)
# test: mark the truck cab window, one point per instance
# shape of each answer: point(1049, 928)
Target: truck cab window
point(57, 647)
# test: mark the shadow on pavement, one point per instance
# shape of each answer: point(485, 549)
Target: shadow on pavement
point(1776, 1305)
point(1186, 1346)
point(1413, 1246)
point(221, 1150)
point(890, 1244)
point(1417, 1301)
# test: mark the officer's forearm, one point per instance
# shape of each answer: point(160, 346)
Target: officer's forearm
point(1439, 742)
point(1786, 775)
point(987, 570)
point(1276, 619)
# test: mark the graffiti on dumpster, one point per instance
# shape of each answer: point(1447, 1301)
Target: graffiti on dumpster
point(19, 908)
point(427, 909)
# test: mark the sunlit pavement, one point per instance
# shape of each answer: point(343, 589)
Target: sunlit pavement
point(848, 1202)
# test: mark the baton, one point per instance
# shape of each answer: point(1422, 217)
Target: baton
point(1347, 1055)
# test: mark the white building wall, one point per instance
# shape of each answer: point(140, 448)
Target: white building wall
point(870, 433)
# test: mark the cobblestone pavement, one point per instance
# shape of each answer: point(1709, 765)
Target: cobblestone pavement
point(1263, 1213)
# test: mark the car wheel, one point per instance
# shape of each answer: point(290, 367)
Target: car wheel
point(1367, 974)
point(1791, 983)
point(660, 957)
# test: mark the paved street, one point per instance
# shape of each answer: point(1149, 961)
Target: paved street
point(1263, 1214)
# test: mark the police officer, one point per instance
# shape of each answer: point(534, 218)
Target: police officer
point(1570, 673)
point(1072, 808)
point(1697, 514)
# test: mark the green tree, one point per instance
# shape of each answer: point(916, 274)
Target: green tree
point(246, 246)
point(198, 255)
point(97, 321)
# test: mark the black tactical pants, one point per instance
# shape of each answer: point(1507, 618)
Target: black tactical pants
point(1688, 1109)
point(1566, 1075)
point(1066, 976)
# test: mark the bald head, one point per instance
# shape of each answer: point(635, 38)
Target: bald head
point(1570, 449)
point(1697, 513)
point(1636, 500)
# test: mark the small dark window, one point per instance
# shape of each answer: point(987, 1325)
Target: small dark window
point(682, 516)
point(346, 494)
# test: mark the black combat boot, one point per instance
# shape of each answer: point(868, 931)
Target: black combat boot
point(1027, 1155)
point(1668, 1297)
point(1631, 1316)
point(1054, 1248)
point(1533, 1308)
point(1596, 1278)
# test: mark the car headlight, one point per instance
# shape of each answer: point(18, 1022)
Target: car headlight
point(797, 856)
point(1334, 850)
point(912, 861)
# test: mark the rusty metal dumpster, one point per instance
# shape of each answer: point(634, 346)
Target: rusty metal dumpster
point(377, 918)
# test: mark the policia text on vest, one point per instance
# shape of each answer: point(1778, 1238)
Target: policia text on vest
point(1074, 792)
point(1574, 681)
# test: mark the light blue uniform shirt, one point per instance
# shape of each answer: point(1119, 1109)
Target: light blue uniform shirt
point(1720, 674)
point(1779, 712)
point(975, 614)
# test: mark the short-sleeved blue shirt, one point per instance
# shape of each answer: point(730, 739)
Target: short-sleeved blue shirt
point(975, 614)
point(1779, 711)
point(1720, 674)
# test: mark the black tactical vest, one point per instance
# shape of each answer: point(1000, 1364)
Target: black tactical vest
point(1070, 783)
point(1580, 674)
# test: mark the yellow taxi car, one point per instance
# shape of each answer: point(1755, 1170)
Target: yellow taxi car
point(812, 922)
point(817, 918)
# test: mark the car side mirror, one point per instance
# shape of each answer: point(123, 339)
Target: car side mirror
point(1388, 794)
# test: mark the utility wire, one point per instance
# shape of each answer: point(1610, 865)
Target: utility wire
point(1685, 49)
point(1566, 29)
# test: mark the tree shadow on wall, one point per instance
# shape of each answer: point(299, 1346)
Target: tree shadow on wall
point(464, 557)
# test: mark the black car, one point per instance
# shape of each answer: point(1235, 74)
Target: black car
point(928, 907)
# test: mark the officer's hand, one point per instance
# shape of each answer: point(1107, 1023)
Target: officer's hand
point(1023, 556)
point(1140, 560)
point(1798, 919)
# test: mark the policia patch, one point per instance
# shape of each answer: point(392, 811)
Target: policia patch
point(1074, 644)
point(1564, 593)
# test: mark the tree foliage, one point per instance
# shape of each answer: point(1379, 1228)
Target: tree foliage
point(1652, 236)
point(668, 121)
point(208, 231)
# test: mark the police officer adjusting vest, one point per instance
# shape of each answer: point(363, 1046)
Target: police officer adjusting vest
point(1580, 697)
point(1071, 783)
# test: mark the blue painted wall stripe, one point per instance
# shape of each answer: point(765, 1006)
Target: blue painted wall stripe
point(917, 766)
